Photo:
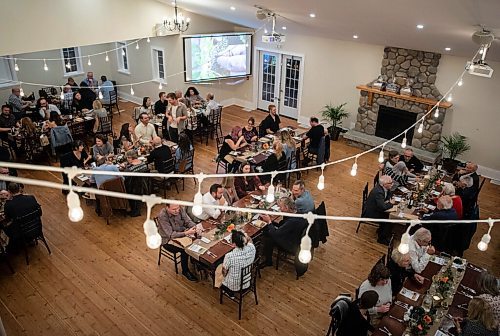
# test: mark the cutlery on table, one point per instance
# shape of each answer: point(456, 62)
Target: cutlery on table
point(213, 255)
point(468, 288)
point(465, 294)
point(463, 306)
point(397, 319)
point(385, 330)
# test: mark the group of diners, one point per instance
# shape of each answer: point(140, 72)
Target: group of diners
point(377, 293)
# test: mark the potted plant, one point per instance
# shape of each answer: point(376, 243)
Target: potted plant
point(335, 114)
point(453, 146)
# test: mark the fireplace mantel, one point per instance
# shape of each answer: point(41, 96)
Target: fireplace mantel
point(429, 102)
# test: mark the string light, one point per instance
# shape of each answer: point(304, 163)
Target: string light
point(460, 82)
point(321, 180)
point(100, 93)
point(75, 211)
point(45, 67)
point(16, 67)
point(271, 189)
point(89, 63)
point(436, 113)
point(107, 57)
point(153, 238)
point(68, 65)
point(148, 40)
point(404, 244)
point(449, 98)
point(403, 143)
point(306, 243)
point(123, 51)
point(21, 91)
point(421, 127)
point(137, 46)
point(198, 198)
point(160, 86)
point(354, 169)
point(381, 154)
point(62, 93)
point(485, 240)
point(132, 90)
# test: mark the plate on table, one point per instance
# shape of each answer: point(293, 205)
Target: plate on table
point(430, 207)
point(257, 197)
point(435, 193)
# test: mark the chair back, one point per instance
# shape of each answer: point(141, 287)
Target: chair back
point(365, 197)
point(476, 197)
point(113, 97)
point(247, 276)
point(108, 204)
point(220, 142)
point(375, 179)
point(187, 161)
point(105, 125)
point(136, 113)
point(338, 309)
point(167, 166)
point(320, 158)
point(77, 130)
point(30, 225)
point(390, 248)
point(320, 226)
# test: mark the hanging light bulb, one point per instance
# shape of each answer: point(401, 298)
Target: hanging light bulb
point(62, 94)
point(45, 67)
point(321, 182)
point(68, 65)
point(100, 93)
point(131, 90)
point(404, 245)
point(354, 169)
point(75, 212)
point(270, 193)
point(381, 155)
point(148, 40)
point(420, 127)
point(436, 113)
point(403, 143)
point(154, 241)
point(137, 45)
point(123, 51)
point(21, 92)
point(107, 57)
point(16, 67)
point(305, 249)
point(149, 227)
point(460, 82)
point(481, 51)
point(160, 86)
point(449, 98)
point(89, 63)
point(197, 207)
point(483, 244)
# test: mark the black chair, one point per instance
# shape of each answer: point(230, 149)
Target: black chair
point(4, 256)
point(248, 276)
point(166, 253)
point(375, 179)
point(390, 248)
point(78, 131)
point(338, 309)
point(284, 255)
point(214, 122)
point(363, 209)
point(105, 126)
point(220, 163)
point(166, 167)
point(113, 101)
point(30, 229)
point(188, 162)
point(282, 166)
point(319, 229)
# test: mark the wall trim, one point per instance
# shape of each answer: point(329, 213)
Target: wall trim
point(247, 105)
point(129, 97)
point(491, 173)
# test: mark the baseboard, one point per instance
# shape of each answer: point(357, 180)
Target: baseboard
point(490, 173)
point(129, 97)
point(247, 105)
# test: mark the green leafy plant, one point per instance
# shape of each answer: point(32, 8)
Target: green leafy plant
point(335, 114)
point(454, 145)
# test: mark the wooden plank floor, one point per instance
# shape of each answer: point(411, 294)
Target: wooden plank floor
point(103, 280)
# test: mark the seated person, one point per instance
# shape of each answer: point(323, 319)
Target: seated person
point(289, 147)
point(193, 96)
point(183, 151)
point(161, 105)
point(4, 197)
point(249, 131)
point(106, 87)
point(273, 162)
point(211, 104)
point(489, 291)
point(247, 184)
point(144, 131)
point(442, 233)
point(173, 222)
point(77, 157)
point(354, 320)
point(7, 121)
point(392, 159)
point(231, 142)
point(213, 197)
point(45, 109)
point(240, 257)
point(449, 190)
point(400, 175)
point(104, 163)
point(378, 202)
point(479, 320)
point(315, 133)
point(229, 194)
point(412, 163)
point(302, 197)
point(271, 123)
point(136, 185)
point(127, 132)
point(159, 154)
point(469, 170)
point(420, 249)
point(102, 147)
point(379, 280)
point(399, 266)
point(468, 193)
point(286, 234)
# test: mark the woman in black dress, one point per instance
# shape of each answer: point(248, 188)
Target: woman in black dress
point(78, 157)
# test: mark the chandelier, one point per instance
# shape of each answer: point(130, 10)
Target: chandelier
point(178, 22)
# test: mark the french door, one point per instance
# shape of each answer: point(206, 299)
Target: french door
point(279, 82)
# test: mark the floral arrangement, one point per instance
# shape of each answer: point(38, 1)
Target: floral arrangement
point(224, 227)
point(444, 282)
point(420, 321)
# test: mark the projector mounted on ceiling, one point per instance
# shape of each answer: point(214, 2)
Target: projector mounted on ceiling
point(478, 67)
point(273, 37)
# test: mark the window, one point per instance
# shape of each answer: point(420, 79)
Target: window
point(158, 64)
point(122, 55)
point(72, 63)
point(7, 73)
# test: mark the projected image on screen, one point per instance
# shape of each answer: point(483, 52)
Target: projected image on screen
point(214, 57)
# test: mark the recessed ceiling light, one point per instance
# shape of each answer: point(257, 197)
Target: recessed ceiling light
point(284, 27)
point(420, 26)
point(232, 8)
point(355, 36)
point(447, 48)
point(312, 15)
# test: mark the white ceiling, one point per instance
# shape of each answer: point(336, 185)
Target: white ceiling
point(447, 23)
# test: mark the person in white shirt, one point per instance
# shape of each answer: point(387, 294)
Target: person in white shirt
point(144, 131)
point(176, 116)
point(106, 88)
point(379, 280)
point(211, 104)
point(420, 249)
point(240, 257)
point(213, 197)
point(46, 108)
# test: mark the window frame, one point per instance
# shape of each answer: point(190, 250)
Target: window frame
point(78, 63)
point(155, 65)
point(122, 60)
point(11, 81)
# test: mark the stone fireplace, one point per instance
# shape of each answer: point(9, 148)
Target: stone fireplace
point(401, 65)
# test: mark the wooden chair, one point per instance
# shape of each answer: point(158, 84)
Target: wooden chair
point(105, 126)
point(188, 161)
point(30, 229)
point(220, 163)
point(390, 248)
point(109, 204)
point(248, 276)
point(167, 167)
point(113, 101)
point(363, 209)
point(319, 229)
point(78, 131)
point(282, 166)
point(166, 253)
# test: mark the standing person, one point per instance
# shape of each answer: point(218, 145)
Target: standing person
point(136, 185)
point(240, 257)
point(173, 222)
point(271, 123)
point(17, 104)
point(176, 116)
point(161, 104)
point(106, 87)
point(229, 193)
point(412, 162)
point(144, 131)
point(302, 197)
point(378, 202)
point(213, 197)
point(315, 133)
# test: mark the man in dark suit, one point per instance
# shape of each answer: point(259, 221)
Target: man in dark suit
point(443, 233)
point(19, 205)
point(286, 234)
point(159, 154)
point(378, 202)
point(412, 163)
